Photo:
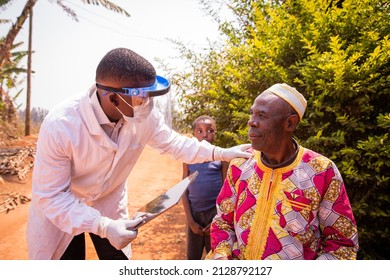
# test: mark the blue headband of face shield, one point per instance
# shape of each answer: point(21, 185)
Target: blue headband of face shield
point(160, 87)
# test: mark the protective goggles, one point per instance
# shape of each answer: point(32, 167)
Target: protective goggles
point(160, 87)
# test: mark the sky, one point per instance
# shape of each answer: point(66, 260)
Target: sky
point(67, 52)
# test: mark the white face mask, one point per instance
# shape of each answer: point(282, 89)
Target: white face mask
point(140, 113)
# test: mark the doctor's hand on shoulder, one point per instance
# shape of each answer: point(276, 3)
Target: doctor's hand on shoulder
point(227, 154)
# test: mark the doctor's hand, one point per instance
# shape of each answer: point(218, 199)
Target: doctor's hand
point(240, 151)
point(118, 232)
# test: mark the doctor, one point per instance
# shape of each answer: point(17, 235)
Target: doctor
point(86, 149)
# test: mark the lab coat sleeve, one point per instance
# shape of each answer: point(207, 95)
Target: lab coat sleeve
point(51, 183)
point(180, 147)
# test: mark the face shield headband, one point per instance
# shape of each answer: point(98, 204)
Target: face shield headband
point(160, 87)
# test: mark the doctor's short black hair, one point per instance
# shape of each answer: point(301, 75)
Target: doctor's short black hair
point(123, 64)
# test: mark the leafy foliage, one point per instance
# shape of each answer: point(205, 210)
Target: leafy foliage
point(10, 78)
point(338, 56)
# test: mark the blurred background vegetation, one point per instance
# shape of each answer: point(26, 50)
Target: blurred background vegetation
point(336, 53)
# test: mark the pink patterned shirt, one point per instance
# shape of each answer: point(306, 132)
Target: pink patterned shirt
point(296, 212)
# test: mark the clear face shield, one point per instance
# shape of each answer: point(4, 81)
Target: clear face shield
point(142, 99)
point(164, 104)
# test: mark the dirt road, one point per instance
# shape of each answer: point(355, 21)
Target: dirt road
point(161, 239)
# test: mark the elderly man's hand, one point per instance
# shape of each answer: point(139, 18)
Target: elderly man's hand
point(219, 257)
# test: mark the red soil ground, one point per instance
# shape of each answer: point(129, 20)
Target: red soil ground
point(162, 239)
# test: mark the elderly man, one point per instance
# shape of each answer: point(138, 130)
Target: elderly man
point(285, 202)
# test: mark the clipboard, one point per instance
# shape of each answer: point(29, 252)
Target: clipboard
point(164, 201)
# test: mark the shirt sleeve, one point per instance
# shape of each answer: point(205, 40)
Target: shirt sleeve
point(167, 141)
point(222, 231)
point(339, 238)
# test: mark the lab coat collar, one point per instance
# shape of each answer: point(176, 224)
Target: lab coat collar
point(91, 122)
point(88, 115)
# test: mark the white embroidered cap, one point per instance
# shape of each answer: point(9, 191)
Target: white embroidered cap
point(291, 96)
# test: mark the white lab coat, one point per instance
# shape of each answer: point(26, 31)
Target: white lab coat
point(80, 174)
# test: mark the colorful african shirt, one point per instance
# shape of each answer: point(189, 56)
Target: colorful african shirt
point(296, 212)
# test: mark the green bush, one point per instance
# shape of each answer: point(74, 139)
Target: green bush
point(338, 57)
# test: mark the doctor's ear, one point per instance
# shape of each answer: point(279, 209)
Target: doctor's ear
point(113, 100)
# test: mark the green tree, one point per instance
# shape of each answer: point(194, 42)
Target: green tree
point(9, 39)
point(9, 78)
point(337, 53)
point(7, 44)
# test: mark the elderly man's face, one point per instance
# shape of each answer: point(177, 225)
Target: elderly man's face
point(267, 122)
